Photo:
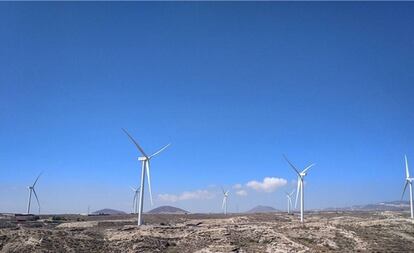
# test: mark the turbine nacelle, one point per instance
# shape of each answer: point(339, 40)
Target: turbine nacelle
point(225, 193)
point(142, 158)
point(289, 195)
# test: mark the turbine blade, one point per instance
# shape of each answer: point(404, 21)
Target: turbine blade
point(133, 189)
point(406, 167)
point(134, 201)
point(224, 201)
point(405, 187)
point(37, 179)
point(297, 192)
point(149, 182)
point(304, 171)
point(159, 151)
point(291, 165)
point(222, 190)
point(136, 143)
point(37, 199)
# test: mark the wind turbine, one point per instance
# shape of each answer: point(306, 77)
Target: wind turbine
point(301, 186)
point(224, 205)
point(31, 189)
point(408, 181)
point(289, 200)
point(135, 200)
point(145, 159)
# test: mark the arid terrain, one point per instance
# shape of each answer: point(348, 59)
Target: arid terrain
point(273, 232)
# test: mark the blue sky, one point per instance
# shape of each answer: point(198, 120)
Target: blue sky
point(232, 86)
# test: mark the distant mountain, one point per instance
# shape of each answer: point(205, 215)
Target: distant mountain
point(108, 211)
point(382, 206)
point(167, 210)
point(262, 209)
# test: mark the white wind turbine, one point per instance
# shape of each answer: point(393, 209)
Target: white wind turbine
point(301, 186)
point(31, 189)
point(289, 200)
point(145, 159)
point(135, 200)
point(408, 181)
point(224, 205)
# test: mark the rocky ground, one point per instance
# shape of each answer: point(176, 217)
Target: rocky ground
point(273, 232)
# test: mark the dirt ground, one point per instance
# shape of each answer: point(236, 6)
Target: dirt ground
point(273, 232)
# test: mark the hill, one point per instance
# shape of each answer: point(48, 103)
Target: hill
point(262, 209)
point(167, 210)
point(382, 206)
point(107, 211)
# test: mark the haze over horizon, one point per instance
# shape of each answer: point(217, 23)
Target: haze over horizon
point(232, 87)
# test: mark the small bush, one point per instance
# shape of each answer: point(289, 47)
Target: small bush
point(58, 218)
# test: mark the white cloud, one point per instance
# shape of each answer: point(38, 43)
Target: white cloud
point(237, 186)
point(168, 197)
point(241, 193)
point(269, 184)
point(199, 194)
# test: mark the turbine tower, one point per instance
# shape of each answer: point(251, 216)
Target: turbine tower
point(408, 181)
point(289, 200)
point(145, 169)
point(301, 186)
point(135, 200)
point(224, 205)
point(31, 189)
